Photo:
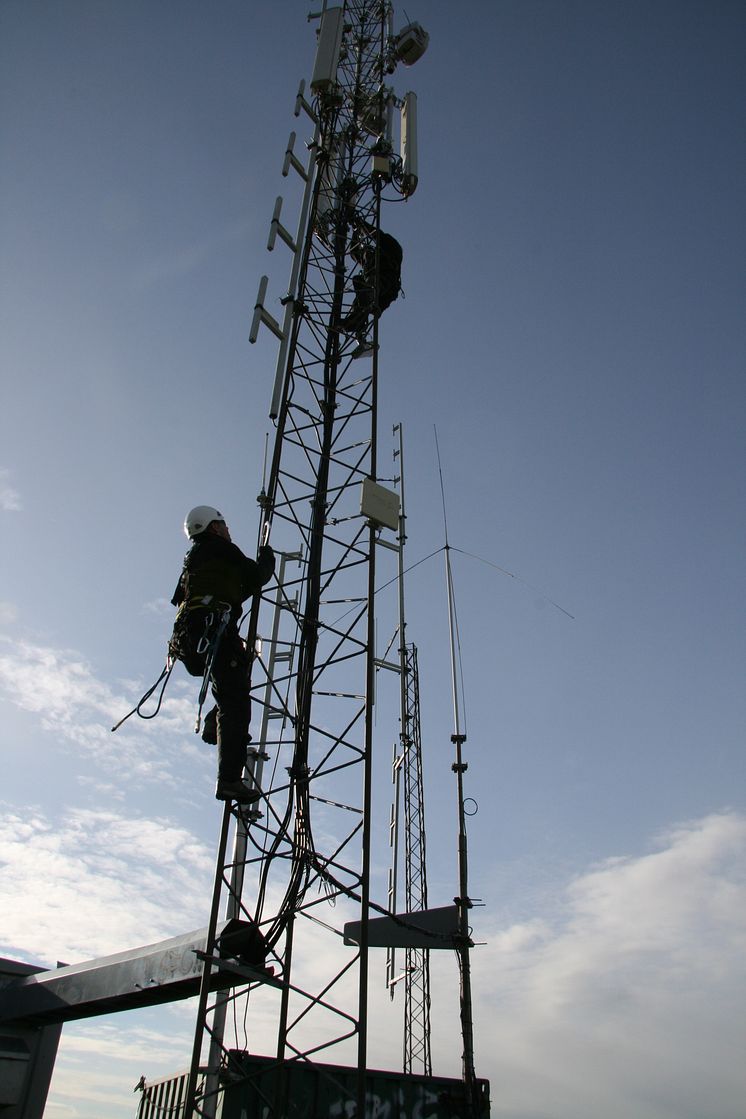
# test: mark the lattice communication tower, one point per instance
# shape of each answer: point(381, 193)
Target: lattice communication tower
point(308, 845)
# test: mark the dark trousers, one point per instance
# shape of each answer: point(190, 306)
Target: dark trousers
point(229, 680)
point(356, 319)
point(230, 686)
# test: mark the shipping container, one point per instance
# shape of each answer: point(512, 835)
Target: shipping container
point(265, 1088)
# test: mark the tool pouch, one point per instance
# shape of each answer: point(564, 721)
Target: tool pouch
point(189, 629)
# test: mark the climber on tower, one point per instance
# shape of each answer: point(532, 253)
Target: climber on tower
point(363, 251)
point(216, 579)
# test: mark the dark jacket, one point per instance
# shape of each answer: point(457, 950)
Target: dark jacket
point(389, 262)
point(216, 570)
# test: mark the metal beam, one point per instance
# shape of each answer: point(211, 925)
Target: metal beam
point(156, 973)
point(425, 928)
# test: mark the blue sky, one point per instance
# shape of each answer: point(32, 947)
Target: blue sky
point(573, 325)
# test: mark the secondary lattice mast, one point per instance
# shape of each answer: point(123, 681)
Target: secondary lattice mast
point(409, 794)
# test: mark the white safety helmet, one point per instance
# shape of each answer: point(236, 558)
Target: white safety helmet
point(198, 519)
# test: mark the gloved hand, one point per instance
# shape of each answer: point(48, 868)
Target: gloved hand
point(266, 559)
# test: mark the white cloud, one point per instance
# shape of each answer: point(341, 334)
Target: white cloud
point(89, 884)
point(100, 1062)
point(8, 613)
point(630, 1001)
point(96, 883)
point(10, 499)
point(158, 606)
point(625, 1000)
point(61, 688)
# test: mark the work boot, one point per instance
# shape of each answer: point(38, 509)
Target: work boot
point(362, 349)
point(354, 321)
point(235, 790)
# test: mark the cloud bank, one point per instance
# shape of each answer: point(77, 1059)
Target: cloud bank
point(78, 708)
point(8, 613)
point(10, 499)
point(97, 882)
point(630, 1001)
point(100, 1062)
point(627, 1000)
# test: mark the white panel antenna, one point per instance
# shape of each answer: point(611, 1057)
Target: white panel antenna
point(327, 52)
point(409, 143)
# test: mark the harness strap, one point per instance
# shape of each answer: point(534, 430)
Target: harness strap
point(208, 643)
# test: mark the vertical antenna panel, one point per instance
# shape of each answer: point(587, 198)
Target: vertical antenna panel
point(409, 143)
point(327, 53)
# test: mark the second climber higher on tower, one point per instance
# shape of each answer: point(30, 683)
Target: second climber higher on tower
point(363, 252)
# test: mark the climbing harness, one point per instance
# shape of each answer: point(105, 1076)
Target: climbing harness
point(178, 649)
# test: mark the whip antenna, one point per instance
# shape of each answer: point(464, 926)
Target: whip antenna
point(459, 767)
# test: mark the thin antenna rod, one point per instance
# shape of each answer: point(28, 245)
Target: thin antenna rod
point(442, 489)
point(264, 464)
point(449, 591)
point(459, 767)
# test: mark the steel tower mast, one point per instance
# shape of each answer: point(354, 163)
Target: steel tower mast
point(417, 960)
point(409, 788)
point(301, 865)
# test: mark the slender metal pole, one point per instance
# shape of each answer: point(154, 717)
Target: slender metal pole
point(401, 541)
point(300, 239)
point(404, 729)
point(204, 990)
point(462, 901)
point(394, 869)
